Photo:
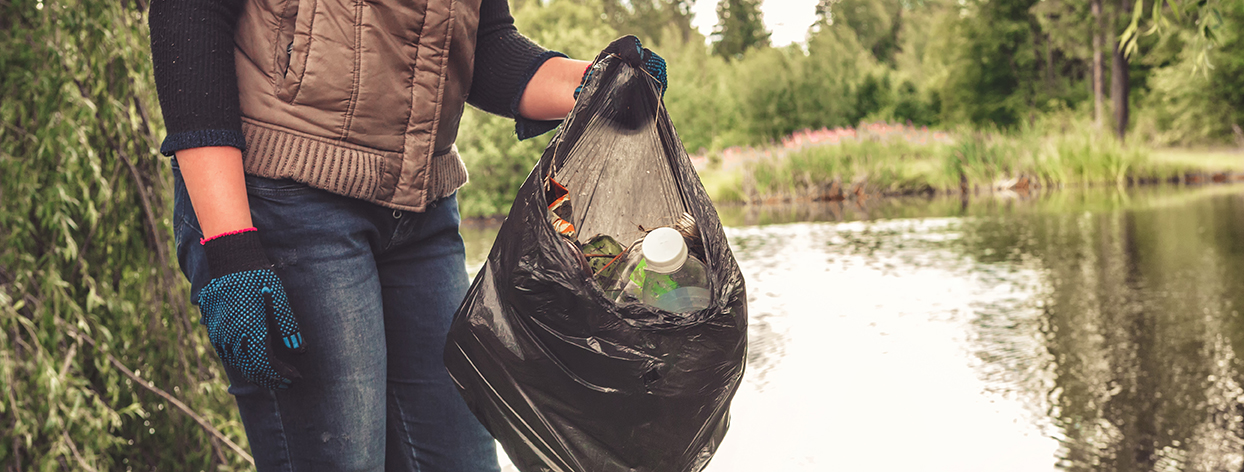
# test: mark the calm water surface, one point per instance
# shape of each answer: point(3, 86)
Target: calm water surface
point(1072, 331)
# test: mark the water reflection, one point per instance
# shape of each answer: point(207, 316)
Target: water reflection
point(1139, 317)
point(1089, 330)
point(875, 370)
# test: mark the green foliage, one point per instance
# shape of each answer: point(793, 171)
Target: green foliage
point(1227, 78)
point(651, 20)
point(1068, 24)
point(1181, 107)
point(997, 65)
point(702, 99)
point(740, 27)
point(1048, 154)
point(876, 24)
point(836, 65)
point(772, 92)
point(874, 94)
point(1188, 105)
point(572, 27)
point(1058, 151)
point(910, 107)
point(93, 316)
point(497, 162)
point(993, 72)
point(891, 167)
point(774, 101)
point(94, 320)
point(1202, 18)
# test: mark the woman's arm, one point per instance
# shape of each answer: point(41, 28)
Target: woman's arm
point(508, 63)
point(217, 186)
point(192, 51)
point(516, 78)
point(550, 93)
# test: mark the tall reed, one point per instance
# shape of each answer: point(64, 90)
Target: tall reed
point(1037, 156)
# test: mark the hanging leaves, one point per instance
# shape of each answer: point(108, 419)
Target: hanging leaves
point(1203, 15)
point(100, 365)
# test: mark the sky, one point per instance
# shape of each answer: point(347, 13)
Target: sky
point(787, 20)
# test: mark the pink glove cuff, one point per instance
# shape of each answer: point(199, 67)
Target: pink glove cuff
point(230, 233)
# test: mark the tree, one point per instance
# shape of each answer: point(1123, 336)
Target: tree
point(740, 26)
point(1202, 16)
point(993, 70)
point(1227, 77)
point(1120, 85)
point(102, 365)
point(1099, 37)
point(651, 20)
point(1066, 37)
point(876, 23)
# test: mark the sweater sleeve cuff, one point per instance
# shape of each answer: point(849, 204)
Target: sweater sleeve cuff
point(524, 127)
point(201, 138)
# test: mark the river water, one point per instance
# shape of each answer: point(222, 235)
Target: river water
point(1078, 330)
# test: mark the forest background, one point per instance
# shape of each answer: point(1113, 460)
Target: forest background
point(103, 366)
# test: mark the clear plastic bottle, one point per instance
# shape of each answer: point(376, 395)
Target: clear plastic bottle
point(661, 274)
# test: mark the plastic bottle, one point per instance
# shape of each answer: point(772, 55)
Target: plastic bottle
point(663, 275)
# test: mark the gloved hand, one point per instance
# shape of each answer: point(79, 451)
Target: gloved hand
point(632, 52)
point(244, 307)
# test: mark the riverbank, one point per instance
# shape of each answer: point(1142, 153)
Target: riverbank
point(881, 160)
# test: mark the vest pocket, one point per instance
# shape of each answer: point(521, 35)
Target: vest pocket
point(293, 45)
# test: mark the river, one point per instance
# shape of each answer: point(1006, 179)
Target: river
point(1077, 330)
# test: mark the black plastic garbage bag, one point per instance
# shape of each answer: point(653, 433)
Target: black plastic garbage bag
point(565, 378)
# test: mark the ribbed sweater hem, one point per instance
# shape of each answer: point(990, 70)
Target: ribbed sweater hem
point(341, 168)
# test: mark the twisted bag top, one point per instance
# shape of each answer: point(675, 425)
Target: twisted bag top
point(564, 378)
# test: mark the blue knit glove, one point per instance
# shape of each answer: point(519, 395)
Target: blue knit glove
point(244, 308)
point(632, 52)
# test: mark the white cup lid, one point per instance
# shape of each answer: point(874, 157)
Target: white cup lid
point(665, 250)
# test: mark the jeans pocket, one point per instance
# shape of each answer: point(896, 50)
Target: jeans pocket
point(185, 223)
point(275, 188)
point(186, 235)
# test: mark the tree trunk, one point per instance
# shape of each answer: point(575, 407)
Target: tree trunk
point(1098, 32)
point(1119, 87)
point(1049, 63)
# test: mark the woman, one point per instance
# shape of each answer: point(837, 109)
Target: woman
point(315, 141)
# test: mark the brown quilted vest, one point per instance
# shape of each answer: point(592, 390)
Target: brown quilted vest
point(360, 98)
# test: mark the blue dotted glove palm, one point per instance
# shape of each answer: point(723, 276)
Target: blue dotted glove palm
point(632, 52)
point(245, 309)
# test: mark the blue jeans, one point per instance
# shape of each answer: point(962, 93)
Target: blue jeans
point(374, 291)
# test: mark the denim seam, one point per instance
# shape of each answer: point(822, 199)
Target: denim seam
point(182, 222)
point(289, 456)
point(185, 223)
point(406, 431)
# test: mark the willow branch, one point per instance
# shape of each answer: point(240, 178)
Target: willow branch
point(72, 448)
point(64, 368)
point(207, 426)
point(150, 220)
point(103, 209)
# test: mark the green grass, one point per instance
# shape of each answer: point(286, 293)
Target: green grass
point(1200, 158)
point(985, 160)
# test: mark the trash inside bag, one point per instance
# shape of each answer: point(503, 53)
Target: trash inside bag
point(564, 376)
